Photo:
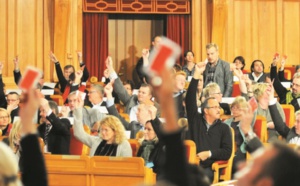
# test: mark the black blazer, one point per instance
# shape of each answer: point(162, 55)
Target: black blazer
point(59, 135)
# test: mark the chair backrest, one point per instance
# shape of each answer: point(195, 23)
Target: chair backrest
point(190, 148)
point(289, 112)
point(260, 128)
point(76, 146)
point(287, 74)
point(68, 170)
point(236, 89)
point(120, 171)
point(58, 99)
point(135, 145)
point(290, 68)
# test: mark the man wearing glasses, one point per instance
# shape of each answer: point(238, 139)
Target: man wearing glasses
point(13, 101)
point(286, 96)
point(211, 135)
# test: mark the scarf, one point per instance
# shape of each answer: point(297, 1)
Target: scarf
point(148, 146)
point(290, 96)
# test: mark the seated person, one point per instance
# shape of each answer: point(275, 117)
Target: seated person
point(237, 107)
point(54, 131)
point(240, 64)
point(64, 77)
point(257, 71)
point(95, 96)
point(213, 90)
point(13, 100)
point(4, 122)
point(134, 126)
point(211, 136)
point(261, 95)
point(281, 70)
point(111, 141)
point(180, 79)
point(131, 102)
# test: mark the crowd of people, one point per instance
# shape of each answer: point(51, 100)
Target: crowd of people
point(161, 143)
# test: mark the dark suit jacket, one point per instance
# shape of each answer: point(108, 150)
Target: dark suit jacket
point(133, 126)
point(261, 79)
point(59, 135)
point(34, 169)
point(14, 113)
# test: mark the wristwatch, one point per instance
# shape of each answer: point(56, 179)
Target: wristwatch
point(249, 136)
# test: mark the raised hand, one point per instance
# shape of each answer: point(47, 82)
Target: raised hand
point(106, 73)
point(16, 63)
point(145, 53)
point(109, 64)
point(79, 56)
point(53, 57)
point(282, 63)
point(78, 76)
point(275, 60)
point(238, 73)
point(1, 67)
point(108, 89)
point(199, 69)
point(247, 117)
point(232, 66)
point(152, 110)
point(65, 111)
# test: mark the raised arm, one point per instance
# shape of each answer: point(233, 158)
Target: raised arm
point(34, 169)
point(17, 72)
point(86, 73)
point(78, 125)
point(62, 80)
point(279, 88)
point(3, 103)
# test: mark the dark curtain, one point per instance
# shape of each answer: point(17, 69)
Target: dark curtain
point(178, 31)
point(95, 43)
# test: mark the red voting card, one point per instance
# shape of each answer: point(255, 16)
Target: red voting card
point(276, 55)
point(253, 104)
point(163, 57)
point(30, 78)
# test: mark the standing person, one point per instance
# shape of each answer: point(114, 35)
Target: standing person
point(211, 135)
point(189, 67)
point(217, 70)
point(144, 61)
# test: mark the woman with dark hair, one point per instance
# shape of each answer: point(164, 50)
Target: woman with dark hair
point(189, 67)
point(239, 62)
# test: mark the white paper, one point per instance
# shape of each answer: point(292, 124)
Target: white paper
point(127, 134)
point(135, 91)
point(163, 120)
point(49, 84)
point(199, 109)
point(235, 78)
point(228, 100)
point(47, 92)
point(286, 84)
point(71, 119)
point(189, 79)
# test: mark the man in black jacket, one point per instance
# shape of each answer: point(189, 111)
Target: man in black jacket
point(54, 131)
point(211, 135)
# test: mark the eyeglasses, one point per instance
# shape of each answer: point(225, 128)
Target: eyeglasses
point(214, 107)
point(218, 93)
point(296, 85)
point(11, 100)
point(4, 117)
point(235, 108)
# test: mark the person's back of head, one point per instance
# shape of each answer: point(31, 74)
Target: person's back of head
point(8, 167)
point(284, 168)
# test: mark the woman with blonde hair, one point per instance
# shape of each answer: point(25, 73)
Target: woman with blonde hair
point(238, 106)
point(4, 122)
point(261, 95)
point(111, 140)
point(13, 140)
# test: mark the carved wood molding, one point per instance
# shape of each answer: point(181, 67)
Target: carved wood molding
point(137, 6)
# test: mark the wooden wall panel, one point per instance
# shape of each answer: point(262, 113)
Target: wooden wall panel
point(27, 30)
point(255, 29)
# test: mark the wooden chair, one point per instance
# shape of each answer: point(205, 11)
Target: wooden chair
point(68, 170)
point(287, 74)
point(290, 68)
point(225, 165)
point(76, 146)
point(58, 99)
point(236, 89)
point(120, 171)
point(191, 152)
point(289, 112)
point(135, 145)
point(260, 128)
